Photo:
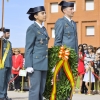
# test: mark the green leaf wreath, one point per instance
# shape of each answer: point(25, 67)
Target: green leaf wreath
point(63, 85)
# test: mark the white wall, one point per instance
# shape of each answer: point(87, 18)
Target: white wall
point(54, 7)
point(89, 4)
point(90, 30)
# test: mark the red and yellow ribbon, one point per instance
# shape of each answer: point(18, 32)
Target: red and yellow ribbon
point(64, 55)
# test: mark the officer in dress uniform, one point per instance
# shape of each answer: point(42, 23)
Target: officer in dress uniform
point(65, 28)
point(5, 71)
point(36, 53)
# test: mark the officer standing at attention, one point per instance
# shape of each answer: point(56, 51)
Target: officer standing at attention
point(36, 53)
point(65, 28)
point(5, 64)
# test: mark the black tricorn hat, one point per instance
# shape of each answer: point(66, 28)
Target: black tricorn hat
point(36, 9)
point(6, 30)
point(66, 4)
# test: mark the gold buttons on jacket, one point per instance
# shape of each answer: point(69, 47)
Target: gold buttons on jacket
point(46, 44)
point(46, 50)
point(46, 56)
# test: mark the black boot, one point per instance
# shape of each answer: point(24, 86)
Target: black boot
point(1, 98)
point(7, 98)
point(68, 98)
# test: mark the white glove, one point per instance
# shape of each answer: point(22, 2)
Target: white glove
point(29, 69)
point(1, 34)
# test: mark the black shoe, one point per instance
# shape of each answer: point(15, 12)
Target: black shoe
point(1, 98)
point(82, 92)
point(86, 93)
point(68, 98)
point(7, 98)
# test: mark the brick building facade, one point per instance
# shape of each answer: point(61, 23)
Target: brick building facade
point(87, 17)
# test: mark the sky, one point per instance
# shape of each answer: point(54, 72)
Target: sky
point(16, 19)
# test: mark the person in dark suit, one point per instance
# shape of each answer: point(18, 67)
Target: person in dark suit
point(36, 53)
point(5, 65)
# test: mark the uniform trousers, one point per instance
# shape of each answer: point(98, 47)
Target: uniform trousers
point(5, 74)
point(37, 84)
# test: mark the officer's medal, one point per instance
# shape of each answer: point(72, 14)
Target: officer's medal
point(41, 41)
point(66, 25)
point(38, 32)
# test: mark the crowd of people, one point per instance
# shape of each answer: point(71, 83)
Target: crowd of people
point(89, 69)
point(89, 58)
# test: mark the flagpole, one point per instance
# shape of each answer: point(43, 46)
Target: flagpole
point(2, 14)
point(2, 25)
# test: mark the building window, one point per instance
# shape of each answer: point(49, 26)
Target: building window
point(90, 30)
point(54, 7)
point(89, 4)
point(53, 32)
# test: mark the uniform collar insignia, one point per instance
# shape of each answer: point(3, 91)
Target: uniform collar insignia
point(38, 32)
point(41, 41)
point(66, 24)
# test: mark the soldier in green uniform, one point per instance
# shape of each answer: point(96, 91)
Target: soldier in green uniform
point(36, 53)
point(5, 64)
point(65, 29)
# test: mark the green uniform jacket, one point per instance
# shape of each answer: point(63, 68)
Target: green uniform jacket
point(66, 34)
point(36, 48)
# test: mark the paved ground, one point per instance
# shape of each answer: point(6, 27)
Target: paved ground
point(24, 96)
point(85, 97)
point(18, 95)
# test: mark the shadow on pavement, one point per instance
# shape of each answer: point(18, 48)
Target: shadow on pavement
point(17, 98)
